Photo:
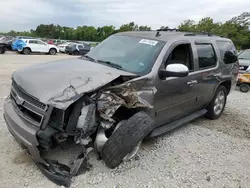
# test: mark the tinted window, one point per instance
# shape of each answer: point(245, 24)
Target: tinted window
point(227, 51)
point(41, 42)
point(206, 55)
point(33, 42)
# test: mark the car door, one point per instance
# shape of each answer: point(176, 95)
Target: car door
point(176, 96)
point(43, 47)
point(209, 72)
point(33, 44)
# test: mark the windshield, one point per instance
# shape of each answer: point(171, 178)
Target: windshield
point(245, 55)
point(132, 54)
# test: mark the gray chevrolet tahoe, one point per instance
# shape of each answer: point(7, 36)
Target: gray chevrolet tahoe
point(133, 85)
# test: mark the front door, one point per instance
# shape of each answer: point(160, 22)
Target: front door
point(176, 97)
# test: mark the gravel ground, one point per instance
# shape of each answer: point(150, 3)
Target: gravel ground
point(202, 153)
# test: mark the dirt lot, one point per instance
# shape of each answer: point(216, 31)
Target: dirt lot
point(203, 153)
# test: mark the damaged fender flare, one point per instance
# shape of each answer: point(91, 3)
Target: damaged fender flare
point(126, 138)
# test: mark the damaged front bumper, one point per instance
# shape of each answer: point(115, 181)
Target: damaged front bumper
point(25, 134)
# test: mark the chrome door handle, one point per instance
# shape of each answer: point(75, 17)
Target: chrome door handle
point(192, 82)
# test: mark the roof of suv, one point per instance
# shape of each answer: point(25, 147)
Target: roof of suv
point(168, 35)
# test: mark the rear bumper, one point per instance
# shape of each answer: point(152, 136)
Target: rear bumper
point(24, 133)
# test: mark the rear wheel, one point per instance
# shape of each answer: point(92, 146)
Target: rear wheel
point(26, 51)
point(2, 50)
point(52, 51)
point(125, 140)
point(76, 52)
point(217, 105)
point(244, 88)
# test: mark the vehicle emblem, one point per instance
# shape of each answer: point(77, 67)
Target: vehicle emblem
point(19, 100)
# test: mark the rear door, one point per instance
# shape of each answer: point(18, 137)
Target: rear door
point(209, 72)
point(43, 47)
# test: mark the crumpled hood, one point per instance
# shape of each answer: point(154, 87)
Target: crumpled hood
point(61, 83)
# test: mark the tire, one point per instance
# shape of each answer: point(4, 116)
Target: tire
point(244, 88)
point(26, 51)
point(76, 52)
point(212, 113)
point(52, 51)
point(2, 50)
point(125, 138)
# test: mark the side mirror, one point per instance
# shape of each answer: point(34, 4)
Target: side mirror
point(174, 70)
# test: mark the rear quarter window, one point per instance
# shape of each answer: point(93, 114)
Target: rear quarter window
point(228, 51)
point(206, 56)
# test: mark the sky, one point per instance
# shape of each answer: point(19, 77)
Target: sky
point(23, 15)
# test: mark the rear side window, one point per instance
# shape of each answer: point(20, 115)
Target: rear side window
point(227, 51)
point(206, 56)
point(33, 42)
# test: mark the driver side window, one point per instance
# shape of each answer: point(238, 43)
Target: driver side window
point(181, 54)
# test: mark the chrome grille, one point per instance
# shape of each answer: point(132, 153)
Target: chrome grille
point(28, 97)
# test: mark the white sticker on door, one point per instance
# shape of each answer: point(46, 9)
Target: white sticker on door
point(149, 42)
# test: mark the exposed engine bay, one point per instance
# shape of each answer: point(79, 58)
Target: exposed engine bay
point(89, 122)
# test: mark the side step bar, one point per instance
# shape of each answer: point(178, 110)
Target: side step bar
point(172, 125)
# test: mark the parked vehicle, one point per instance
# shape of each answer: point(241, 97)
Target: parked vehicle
point(244, 82)
point(77, 49)
point(244, 60)
point(131, 86)
point(62, 47)
point(50, 42)
point(3, 48)
point(34, 45)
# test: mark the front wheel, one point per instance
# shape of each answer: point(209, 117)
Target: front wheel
point(125, 140)
point(26, 51)
point(217, 105)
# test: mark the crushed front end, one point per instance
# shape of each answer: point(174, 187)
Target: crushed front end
point(40, 127)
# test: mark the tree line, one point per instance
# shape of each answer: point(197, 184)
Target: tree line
point(237, 29)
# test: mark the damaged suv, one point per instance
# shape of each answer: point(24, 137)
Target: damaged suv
point(133, 85)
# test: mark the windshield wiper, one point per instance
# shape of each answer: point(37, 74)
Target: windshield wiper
point(110, 64)
point(89, 58)
point(242, 58)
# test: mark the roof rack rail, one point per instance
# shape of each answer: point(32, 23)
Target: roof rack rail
point(167, 29)
point(195, 33)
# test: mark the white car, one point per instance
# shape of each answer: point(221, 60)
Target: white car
point(36, 45)
point(62, 47)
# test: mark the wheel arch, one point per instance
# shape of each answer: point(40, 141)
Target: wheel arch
point(27, 47)
point(54, 49)
point(226, 83)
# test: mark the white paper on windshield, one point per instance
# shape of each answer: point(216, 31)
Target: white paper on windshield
point(149, 42)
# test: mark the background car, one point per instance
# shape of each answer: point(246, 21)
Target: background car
point(62, 47)
point(77, 49)
point(35, 45)
point(244, 61)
